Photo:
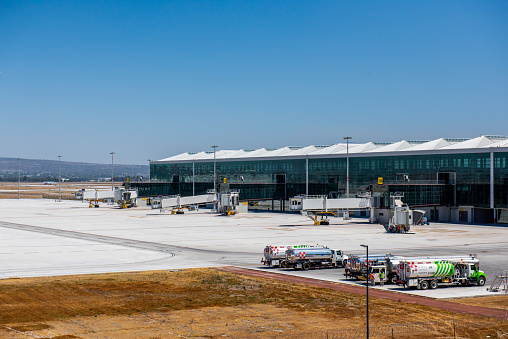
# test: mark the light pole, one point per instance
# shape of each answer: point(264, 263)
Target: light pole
point(59, 178)
point(214, 173)
point(112, 154)
point(347, 165)
point(19, 179)
point(347, 171)
point(368, 282)
point(149, 176)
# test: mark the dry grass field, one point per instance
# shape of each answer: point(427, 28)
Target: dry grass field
point(499, 301)
point(204, 303)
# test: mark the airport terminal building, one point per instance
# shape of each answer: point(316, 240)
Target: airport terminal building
point(458, 180)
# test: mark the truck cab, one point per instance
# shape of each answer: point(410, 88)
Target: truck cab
point(376, 273)
point(339, 258)
point(472, 274)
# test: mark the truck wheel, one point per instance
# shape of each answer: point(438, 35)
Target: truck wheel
point(481, 281)
point(424, 284)
point(282, 264)
point(433, 284)
point(305, 266)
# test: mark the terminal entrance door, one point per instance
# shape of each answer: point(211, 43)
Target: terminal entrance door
point(462, 216)
point(434, 215)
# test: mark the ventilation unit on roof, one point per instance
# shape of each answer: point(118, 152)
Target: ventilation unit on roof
point(496, 137)
point(417, 141)
point(456, 139)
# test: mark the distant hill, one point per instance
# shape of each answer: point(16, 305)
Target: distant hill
point(47, 170)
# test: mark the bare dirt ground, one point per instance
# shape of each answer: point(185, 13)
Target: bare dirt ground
point(207, 303)
point(33, 190)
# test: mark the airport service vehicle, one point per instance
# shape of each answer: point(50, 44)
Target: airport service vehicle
point(356, 267)
point(315, 257)
point(426, 273)
point(390, 266)
point(275, 255)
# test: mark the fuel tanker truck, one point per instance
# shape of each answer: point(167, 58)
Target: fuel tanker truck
point(426, 273)
point(313, 257)
point(274, 255)
point(356, 267)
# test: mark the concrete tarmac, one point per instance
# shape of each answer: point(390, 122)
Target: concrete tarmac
point(43, 237)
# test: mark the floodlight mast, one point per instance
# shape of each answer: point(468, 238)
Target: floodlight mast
point(112, 155)
point(19, 178)
point(59, 178)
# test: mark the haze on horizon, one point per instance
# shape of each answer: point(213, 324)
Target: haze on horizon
point(152, 79)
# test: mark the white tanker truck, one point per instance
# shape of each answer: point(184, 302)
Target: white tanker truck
point(426, 273)
point(274, 255)
point(313, 257)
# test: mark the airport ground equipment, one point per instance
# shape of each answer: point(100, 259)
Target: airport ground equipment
point(318, 207)
point(121, 196)
point(126, 198)
point(229, 203)
point(390, 266)
point(357, 264)
point(275, 255)
point(176, 203)
point(314, 257)
point(403, 217)
point(426, 273)
point(500, 282)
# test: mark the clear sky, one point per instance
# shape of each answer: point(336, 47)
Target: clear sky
point(151, 79)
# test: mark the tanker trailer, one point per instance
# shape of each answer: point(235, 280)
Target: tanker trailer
point(427, 273)
point(276, 255)
point(315, 257)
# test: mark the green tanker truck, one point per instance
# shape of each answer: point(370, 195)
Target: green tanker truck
point(426, 273)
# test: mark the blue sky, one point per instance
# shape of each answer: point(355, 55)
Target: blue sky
point(151, 79)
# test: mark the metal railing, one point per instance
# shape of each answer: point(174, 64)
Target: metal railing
point(500, 282)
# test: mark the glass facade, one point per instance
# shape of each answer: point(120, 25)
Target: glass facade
point(437, 179)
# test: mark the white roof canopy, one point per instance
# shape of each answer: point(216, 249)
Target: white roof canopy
point(443, 144)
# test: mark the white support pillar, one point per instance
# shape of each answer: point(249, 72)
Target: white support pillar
point(492, 180)
point(307, 176)
point(193, 179)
